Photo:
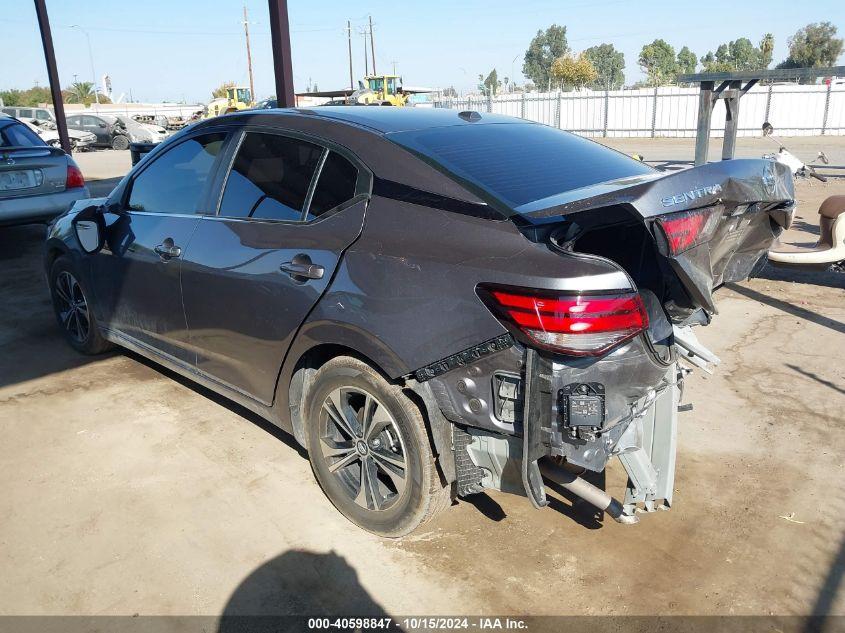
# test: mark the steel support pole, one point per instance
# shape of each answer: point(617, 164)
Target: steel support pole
point(826, 107)
point(705, 112)
point(52, 73)
point(654, 113)
point(606, 109)
point(731, 119)
point(282, 67)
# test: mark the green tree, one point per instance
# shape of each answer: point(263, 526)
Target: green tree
point(687, 61)
point(12, 97)
point(81, 92)
point(220, 91)
point(543, 50)
point(657, 60)
point(609, 65)
point(491, 84)
point(739, 54)
point(813, 46)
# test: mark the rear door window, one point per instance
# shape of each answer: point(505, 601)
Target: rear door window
point(270, 178)
point(175, 181)
point(15, 134)
point(519, 163)
point(335, 185)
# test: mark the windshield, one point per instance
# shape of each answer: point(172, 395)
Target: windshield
point(376, 84)
point(14, 134)
point(519, 162)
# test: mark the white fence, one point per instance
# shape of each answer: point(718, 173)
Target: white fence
point(184, 110)
point(793, 110)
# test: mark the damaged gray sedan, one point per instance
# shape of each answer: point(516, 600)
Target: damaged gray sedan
point(432, 303)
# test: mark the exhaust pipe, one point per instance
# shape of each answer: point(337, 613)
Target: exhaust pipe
point(587, 491)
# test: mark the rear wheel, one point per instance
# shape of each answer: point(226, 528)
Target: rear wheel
point(369, 449)
point(120, 142)
point(73, 310)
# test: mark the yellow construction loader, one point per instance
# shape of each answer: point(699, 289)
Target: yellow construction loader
point(237, 98)
point(372, 90)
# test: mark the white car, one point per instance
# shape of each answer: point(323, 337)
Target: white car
point(79, 140)
point(142, 132)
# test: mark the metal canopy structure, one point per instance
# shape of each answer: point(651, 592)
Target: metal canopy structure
point(731, 89)
point(282, 67)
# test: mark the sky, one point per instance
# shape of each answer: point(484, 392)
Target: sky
point(180, 50)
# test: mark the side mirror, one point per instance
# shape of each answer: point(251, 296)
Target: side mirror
point(767, 129)
point(90, 228)
point(101, 124)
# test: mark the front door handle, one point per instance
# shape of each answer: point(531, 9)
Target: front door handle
point(301, 268)
point(168, 249)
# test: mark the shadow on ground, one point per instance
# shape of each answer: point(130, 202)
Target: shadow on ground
point(300, 582)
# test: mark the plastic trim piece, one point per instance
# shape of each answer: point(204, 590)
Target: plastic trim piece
point(463, 358)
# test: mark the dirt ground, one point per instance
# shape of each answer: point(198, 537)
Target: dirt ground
point(128, 490)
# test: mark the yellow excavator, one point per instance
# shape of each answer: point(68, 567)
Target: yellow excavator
point(237, 98)
point(384, 90)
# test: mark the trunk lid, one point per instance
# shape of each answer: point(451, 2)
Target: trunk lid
point(746, 204)
point(32, 171)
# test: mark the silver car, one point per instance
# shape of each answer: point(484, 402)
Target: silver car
point(37, 182)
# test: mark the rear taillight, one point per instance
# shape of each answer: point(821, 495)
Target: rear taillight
point(74, 178)
point(582, 325)
point(686, 229)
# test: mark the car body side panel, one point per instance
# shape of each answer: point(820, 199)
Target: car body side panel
point(404, 293)
point(242, 310)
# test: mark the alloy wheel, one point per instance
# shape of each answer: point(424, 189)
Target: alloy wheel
point(363, 448)
point(73, 308)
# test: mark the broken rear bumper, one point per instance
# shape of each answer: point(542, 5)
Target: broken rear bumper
point(555, 410)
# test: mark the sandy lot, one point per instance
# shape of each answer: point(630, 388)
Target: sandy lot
point(128, 490)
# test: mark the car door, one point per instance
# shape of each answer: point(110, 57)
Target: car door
point(98, 127)
point(289, 207)
point(137, 273)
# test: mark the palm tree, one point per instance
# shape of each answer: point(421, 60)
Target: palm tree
point(767, 47)
point(82, 92)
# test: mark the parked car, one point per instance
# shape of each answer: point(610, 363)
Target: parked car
point(266, 104)
point(142, 132)
point(433, 303)
point(110, 132)
point(21, 113)
point(47, 131)
point(37, 182)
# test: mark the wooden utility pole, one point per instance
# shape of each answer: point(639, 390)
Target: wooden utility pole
point(372, 46)
point(349, 41)
point(366, 55)
point(53, 73)
point(248, 57)
point(282, 67)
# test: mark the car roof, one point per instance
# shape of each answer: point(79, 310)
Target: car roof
point(388, 119)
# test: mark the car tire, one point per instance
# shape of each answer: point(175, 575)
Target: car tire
point(72, 307)
point(120, 142)
point(388, 450)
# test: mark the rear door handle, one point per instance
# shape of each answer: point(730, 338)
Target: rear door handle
point(168, 249)
point(302, 269)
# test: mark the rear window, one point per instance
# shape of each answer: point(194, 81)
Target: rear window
point(14, 134)
point(519, 163)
